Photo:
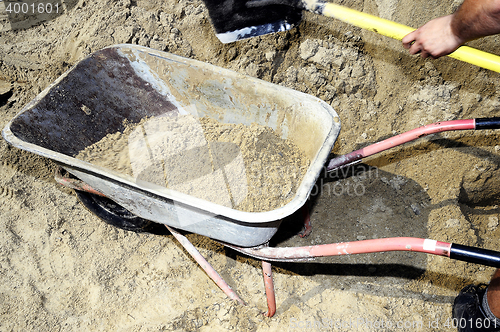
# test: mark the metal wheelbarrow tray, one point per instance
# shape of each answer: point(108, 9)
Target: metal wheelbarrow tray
point(128, 82)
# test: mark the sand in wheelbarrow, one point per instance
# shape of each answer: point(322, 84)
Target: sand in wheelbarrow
point(249, 168)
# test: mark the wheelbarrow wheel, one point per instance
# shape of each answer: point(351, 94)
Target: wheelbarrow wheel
point(116, 215)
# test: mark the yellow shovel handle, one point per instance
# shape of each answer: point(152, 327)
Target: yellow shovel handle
point(398, 31)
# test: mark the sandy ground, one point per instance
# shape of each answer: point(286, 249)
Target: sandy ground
point(63, 269)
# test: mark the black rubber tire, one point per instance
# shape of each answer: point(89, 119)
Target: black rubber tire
point(116, 215)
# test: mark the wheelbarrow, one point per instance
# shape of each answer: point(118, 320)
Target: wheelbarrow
point(130, 83)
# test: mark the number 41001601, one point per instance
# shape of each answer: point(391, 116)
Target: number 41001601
point(25, 8)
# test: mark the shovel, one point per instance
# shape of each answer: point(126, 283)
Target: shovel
point(239, 19)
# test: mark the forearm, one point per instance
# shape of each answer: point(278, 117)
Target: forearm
point(476, 18)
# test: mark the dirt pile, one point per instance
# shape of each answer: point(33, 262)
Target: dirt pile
point(62, 269)
point(248, 168)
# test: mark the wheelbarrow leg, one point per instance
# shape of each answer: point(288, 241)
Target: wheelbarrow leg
point(269, 286)
point(205, 265)
point(307, 228)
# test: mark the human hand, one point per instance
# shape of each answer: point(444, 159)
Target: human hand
point(434, 39)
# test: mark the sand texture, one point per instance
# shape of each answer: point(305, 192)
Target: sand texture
point(248, 168)
point(63, 269)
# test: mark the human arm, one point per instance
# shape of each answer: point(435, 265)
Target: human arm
point(443, 35)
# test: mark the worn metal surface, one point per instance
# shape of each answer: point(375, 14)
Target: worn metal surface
point(128, 82)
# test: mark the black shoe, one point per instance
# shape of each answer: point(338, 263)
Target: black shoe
point(468, 311)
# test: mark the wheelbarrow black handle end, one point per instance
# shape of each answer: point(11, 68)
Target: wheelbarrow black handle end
point(475, 255)
point(488, 123)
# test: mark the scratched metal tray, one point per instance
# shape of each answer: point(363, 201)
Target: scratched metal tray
point(129, 82)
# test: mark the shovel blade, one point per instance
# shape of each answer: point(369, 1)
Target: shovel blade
point(233, 20)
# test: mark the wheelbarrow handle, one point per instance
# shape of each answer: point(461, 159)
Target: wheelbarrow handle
point(475, 255)
point(487, 123)
point(427, 246)
point(453, 125)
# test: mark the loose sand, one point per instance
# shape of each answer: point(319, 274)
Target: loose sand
point(62, 269)
point(247, 168)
